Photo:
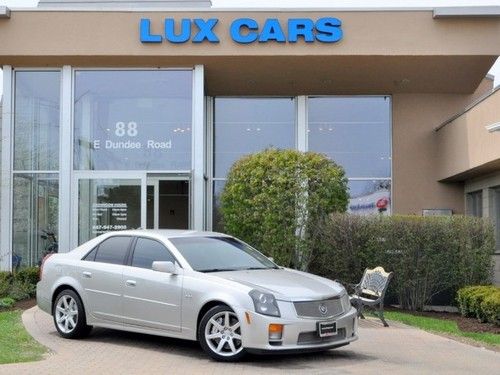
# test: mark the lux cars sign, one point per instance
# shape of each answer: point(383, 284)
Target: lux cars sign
point(244, 30)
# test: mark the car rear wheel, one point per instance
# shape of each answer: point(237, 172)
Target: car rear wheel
point(69, 315)
point(219, 334)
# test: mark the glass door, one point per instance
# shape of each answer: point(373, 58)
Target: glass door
point(168, 202)
point(108, 203)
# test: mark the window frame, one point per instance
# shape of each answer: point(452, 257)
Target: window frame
point(130, 255)
point(96, 248)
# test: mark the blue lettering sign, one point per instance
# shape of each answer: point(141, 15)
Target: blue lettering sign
point(248, 36)
point(183, 36)
point(145, 31)
point(246, 31)
point(328, 30)
point(272, 31)
point(206, 30)
point(300, 27)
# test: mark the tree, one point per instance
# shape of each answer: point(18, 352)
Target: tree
point(275, 200)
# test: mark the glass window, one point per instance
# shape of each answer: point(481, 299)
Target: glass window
point(36, 121)
point(133, 120)
point(475, 203)
point(113, 250)
point(246, 125)
point(370, 197)
point(211, 254)
point(217, 224)
point(107, 205)
point(148, 251)
point(35, 217)
point(91, 255)
point(355, 132)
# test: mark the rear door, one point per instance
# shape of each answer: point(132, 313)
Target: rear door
point(151, 299)
point(101, 273)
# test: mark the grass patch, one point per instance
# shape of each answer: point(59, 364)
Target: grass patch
point(16, 345)
point(448, 327)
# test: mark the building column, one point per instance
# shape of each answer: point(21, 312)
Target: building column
point(65, 157)
point(6, 173)
point(198, 213)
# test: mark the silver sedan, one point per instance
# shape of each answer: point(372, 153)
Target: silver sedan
point(193, 285)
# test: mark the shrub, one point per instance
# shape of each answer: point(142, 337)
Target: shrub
point(6, 303)
point(465, 297)
point(275, 199)
point(482, 302)
point(19, 285)
point(490, 308)
point(5, 281)
point(429, 255)
point(28, 274)
point(20, 290)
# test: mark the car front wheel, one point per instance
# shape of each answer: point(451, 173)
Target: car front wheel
point(220, 334)
point(69, 315)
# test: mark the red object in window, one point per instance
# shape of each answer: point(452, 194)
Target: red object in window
point(382, 202)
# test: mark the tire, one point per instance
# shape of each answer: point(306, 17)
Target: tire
point(69, 315)
point(219, 334)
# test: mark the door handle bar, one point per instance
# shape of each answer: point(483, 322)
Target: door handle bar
point(87, 274)
point(130, 282)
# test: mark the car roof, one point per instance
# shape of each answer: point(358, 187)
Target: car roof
point(168, 233)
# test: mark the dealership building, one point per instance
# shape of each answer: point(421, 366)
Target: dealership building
point(126, 114)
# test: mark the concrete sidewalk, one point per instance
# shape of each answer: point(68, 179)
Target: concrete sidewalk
point(395, 350)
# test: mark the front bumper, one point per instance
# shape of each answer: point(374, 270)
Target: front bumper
point(299, 334)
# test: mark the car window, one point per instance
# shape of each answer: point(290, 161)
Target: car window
point(113, 250)
point(148, 251)
point(91, 255)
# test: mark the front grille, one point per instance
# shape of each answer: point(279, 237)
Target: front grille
point(312, 338)
point(316, 309)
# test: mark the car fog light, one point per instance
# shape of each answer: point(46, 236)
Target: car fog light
point(275, 332)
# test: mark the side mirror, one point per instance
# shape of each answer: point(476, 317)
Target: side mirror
point(165, 267)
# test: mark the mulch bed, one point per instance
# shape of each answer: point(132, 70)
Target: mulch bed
point(465, 324)
point(25, 304)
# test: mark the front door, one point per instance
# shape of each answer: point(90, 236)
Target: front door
point(151, 299)
point(167, 203)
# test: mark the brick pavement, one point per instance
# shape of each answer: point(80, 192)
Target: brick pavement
point(395, 350)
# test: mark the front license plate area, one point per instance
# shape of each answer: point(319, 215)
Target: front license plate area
point(326, 329)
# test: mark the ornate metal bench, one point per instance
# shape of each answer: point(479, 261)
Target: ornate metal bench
point(371, 292)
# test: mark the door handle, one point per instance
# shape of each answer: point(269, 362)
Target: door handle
point(130, 282)
point(87, 274)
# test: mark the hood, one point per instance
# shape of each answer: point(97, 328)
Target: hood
point(286, 284)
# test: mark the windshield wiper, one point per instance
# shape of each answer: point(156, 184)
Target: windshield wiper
point(218, 270)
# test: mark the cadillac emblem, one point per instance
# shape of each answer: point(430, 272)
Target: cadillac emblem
point(323, 309)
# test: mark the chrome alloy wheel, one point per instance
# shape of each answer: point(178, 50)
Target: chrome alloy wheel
point(223, 334)
point(66, 313)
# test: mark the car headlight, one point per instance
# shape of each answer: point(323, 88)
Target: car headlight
point(346, 302)
point(264, 303)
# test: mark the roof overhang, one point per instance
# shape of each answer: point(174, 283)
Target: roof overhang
point(382, 52)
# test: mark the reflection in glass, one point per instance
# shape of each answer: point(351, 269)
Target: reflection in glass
point(107, 205)
point(370, 197)
point(35, 210)
point(246, 125)
point(355, 132)
point(133, 120)
point(36, 121)
point(217, 224)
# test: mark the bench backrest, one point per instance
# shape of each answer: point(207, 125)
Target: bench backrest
point(375, 282)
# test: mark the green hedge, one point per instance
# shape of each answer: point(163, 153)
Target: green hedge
point(19, 285)
point(429, 256)
point(481, 302)
point(275, 199)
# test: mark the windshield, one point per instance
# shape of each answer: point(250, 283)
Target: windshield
point(213, 254)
